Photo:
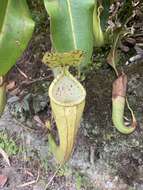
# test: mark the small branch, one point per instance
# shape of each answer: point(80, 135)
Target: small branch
point(30, 182)
point(35, 80)
point(52, 178)
point(21, 72)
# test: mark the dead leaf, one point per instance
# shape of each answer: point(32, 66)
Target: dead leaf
point(130, 42)
point(124, 48)
point(15, 92)
point(5, 156)
point(120, 86)
point(30, 182)
point(3, 180)
point(38, 120)
point(11, 85)
point(29, 173)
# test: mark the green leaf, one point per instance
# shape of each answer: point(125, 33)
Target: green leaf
point(125, 11)
point(16, 28)
point(105, 13)
point(98, 33)
point(100, 18)
point(71, 25)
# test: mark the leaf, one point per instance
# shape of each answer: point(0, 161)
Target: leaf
point(100, 18)
point(113, 57)
point(72, 58)
point(16, 27)
point(3, 180)
point(71, 25)
point(120, 86)
point(125, 11)
point(5, 156)
point(98, 32)
point(105, 13)
point(11, 85)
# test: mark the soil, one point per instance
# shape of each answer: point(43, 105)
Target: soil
point(103, 158)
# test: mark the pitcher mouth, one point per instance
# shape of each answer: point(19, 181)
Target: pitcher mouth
point(65, 90)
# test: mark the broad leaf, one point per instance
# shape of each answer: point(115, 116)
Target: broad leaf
point(71, 25)
point(16, 27)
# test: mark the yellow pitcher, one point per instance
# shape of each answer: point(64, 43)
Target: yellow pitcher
point(67, 97)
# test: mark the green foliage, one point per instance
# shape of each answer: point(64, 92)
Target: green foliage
point(16, 27)
point(98, 33)
point(71, 26)
point(45, 164)
point(64, 171)
point(126, 11)
point(8, 144)
point(105, 13)
point(79, 181)
point(100, 18)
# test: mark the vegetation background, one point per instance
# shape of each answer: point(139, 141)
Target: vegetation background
point(103, 158)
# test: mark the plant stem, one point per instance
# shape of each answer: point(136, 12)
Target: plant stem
point(2, 98)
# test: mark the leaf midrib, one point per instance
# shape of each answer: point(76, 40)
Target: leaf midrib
point(72, 23)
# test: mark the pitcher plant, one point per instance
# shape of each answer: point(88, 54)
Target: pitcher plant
point(16, 28)
point(119, 94)
point(68, 32)
point(75, 25)
point(67, 97)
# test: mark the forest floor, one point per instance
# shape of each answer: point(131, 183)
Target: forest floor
point(103, 159)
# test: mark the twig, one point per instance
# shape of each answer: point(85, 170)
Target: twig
point(92, 153)
point(21, 72)
point(30, 182)
point(35, 80)
point(52, 177)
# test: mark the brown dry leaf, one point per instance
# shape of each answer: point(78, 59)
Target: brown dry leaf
point(30, 182)
point(130, 42)
point(11, 85)
point(15, 92)
point(120, 86)
point(29, 173)
point(3, 180)
point(38, 120)
point(124, 48)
